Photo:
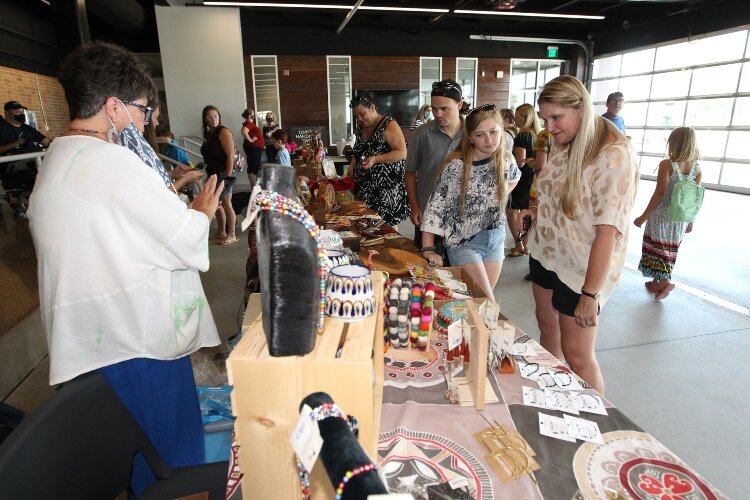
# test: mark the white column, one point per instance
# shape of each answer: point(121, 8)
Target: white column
point(201, 54)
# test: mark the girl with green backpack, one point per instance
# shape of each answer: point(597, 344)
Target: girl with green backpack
point(671, 211)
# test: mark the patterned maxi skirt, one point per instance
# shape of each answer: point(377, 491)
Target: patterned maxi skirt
point(661, 240)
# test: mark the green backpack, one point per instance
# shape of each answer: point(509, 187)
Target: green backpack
point(687, 196)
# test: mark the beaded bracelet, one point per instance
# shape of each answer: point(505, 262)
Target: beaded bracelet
point(316, 415)
point(349, 475)
point(271, 201)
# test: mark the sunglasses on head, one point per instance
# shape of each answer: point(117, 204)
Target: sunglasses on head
point(360, 99)
point(483, 107)
point(442, 87)
point(148, 111)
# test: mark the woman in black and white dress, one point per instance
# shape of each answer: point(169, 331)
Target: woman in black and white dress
point(379, 163)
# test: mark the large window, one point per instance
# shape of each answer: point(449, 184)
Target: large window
point(527, 77)
point(430, 71)
point(339, 95)
point(466, 76)
point(703, 84)
point(266, 86)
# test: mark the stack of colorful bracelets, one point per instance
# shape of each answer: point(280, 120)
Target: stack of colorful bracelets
point(408, 314)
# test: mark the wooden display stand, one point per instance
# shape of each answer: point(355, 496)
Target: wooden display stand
point(268, 390)
point(476, 373)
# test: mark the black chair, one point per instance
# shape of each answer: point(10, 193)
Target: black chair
point(80, 444)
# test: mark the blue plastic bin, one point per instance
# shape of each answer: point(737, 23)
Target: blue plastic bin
point(218, 422)
point(218, 439)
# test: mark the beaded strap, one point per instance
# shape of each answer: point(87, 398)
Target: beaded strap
point(349, 475)
point(271, 201)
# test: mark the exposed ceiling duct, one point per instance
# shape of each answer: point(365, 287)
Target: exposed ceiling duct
point(126, 15)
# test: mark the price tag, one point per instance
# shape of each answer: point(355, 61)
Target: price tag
point(489, 311)
point(306, 440)
point(496, 335)
point(455, 334)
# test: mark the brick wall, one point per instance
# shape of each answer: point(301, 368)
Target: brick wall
point(21, 86)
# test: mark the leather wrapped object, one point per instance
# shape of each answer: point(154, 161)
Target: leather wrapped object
point(288, 268)
point(341, 452)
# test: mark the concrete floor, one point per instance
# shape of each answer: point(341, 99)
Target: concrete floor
point(675, 367)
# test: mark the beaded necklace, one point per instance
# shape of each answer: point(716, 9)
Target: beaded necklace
point(271, 201)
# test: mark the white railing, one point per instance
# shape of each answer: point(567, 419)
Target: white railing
point(37, 157)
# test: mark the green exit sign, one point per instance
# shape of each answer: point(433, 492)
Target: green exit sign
point(551, 52)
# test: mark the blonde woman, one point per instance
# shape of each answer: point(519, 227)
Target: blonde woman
point(586, 194)
point(467, 205)
point(528, 126)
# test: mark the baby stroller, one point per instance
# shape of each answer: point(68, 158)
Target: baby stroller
point(17, 179)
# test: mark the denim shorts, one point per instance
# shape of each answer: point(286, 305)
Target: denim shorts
point(487, 246)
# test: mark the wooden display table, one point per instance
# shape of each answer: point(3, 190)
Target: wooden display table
point(268, 390)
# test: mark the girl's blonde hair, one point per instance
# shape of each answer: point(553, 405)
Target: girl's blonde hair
point(531, 119)
point(465, 153)
point(682, 145)
point(593, 135)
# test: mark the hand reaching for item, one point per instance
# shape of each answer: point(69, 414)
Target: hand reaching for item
point(433, 258)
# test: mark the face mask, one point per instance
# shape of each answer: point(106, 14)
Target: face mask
point(20, 118)
point(131, 138)
point(428, 115)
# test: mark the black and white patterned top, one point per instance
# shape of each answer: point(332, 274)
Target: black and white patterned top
point(382, 186)
point(482, 209)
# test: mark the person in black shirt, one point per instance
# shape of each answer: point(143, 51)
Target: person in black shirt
point(16, 136)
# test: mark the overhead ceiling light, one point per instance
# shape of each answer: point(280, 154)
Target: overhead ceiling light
point(277, 5)
point(219, 3)
point(405, 9)
point(527, 14)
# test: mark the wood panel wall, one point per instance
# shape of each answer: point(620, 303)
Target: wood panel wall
point(304, 91)
point(378, 72)
point(491, 89)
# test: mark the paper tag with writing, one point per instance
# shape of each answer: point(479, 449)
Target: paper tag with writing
point(530, 371)
point(489, 311)
point(554, 427)
point(534, 397)
point(455, 334)
point(560, 400)
point(583, 429)
point(565, 380)
point(590, 403)
point(458, 482)
point(306, 440)
point(523, 350)
point(496, 334)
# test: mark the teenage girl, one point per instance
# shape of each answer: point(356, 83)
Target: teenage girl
point(467, 205)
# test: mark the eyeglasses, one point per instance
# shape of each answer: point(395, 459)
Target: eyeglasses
point(483, 107)
point(148, 111)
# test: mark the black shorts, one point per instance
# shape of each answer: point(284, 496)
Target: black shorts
point(564, 299)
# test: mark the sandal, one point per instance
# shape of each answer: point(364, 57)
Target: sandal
point(664, 292)
point(515, 253)
point(229, 241)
